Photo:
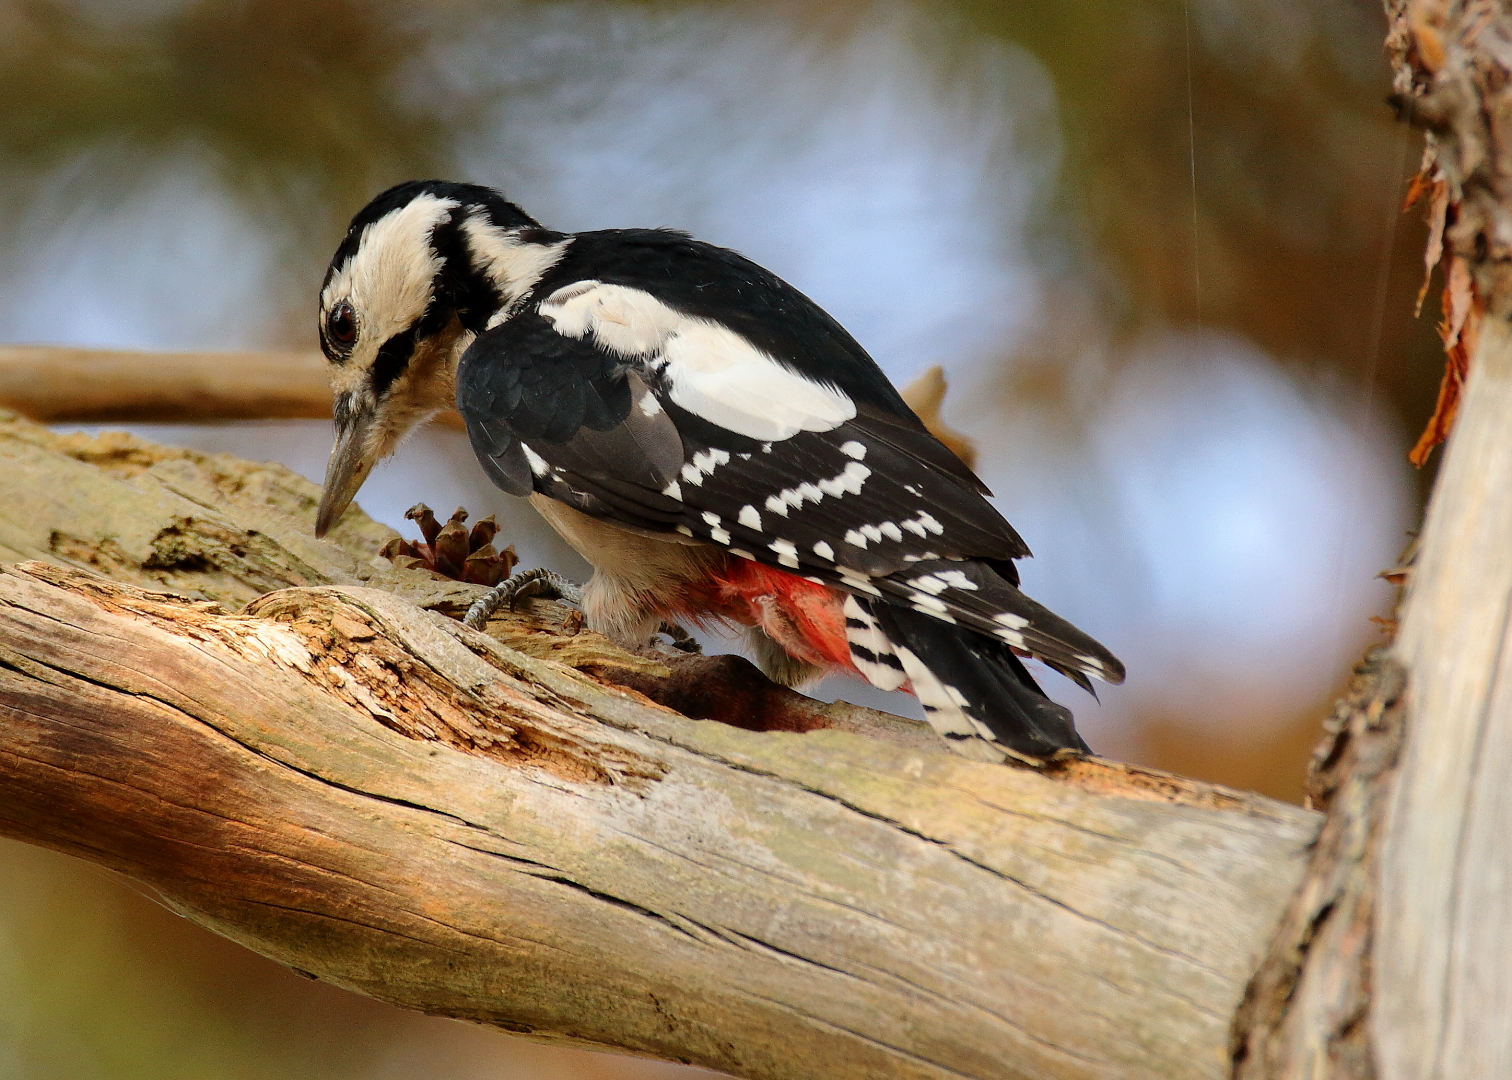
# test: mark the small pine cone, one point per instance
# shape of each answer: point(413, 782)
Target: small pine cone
point(421, 515)
point(483, 532)
point(484, 567)
point(510, 561)
point(450, 549)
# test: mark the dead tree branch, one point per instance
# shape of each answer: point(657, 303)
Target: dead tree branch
point(353, 784)
point(57, 384)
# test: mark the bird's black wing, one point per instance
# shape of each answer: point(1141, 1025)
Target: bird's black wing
point(564, 417)
point(580, 396)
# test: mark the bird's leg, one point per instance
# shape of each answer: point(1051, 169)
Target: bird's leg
point(680, 638)
point(546, 584)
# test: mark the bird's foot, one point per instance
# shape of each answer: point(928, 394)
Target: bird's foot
point(681, 640)
point(452, 550)
point(540, 582)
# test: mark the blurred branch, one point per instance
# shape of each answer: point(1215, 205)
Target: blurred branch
point(50, 383)
point(925, 396)
point(346, 780)
point(53, 384)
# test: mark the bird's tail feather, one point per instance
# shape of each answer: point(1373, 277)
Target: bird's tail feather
point(973, 688)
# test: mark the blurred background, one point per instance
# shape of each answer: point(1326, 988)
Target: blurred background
point(1155, 245)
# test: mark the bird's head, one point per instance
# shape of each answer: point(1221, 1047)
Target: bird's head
point(424, 268)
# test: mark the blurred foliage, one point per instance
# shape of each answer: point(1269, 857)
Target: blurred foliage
point(95, 984)
point(296, 101)
point(1245, 144)
point(1268, 115)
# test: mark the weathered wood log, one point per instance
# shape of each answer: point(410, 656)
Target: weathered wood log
point(361, 788)
point(373, 794)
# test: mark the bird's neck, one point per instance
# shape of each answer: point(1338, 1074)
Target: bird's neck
point(511, 260)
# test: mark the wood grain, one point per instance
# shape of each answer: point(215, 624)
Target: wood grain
point(1445, 911)
point(371, 793)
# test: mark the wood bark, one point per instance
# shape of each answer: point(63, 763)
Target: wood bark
point(1305, 1015)
point(340, 776)
point(1391, 960)
point(1444, 918)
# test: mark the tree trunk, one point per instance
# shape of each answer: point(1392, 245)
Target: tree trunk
point(1392, 961)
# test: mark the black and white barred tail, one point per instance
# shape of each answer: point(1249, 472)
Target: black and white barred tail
point(975, 691)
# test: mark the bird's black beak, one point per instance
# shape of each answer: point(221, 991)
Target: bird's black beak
point(352, 458)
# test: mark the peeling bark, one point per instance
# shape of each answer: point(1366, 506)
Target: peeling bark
point(1391, 961)
point(1305, 1013)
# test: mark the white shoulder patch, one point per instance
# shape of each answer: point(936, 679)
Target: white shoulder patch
point(632, 323)
point(717, 374)
point(712, 371)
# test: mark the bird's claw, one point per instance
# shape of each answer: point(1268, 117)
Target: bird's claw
point(540, 582)
point(680, 638)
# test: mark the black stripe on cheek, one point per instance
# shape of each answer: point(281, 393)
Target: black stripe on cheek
point(393, 357)
point(460, 286)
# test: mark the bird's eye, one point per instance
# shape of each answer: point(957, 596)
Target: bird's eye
point(341, 324)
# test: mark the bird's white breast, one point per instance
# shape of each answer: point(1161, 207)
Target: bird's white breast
point(633, 574)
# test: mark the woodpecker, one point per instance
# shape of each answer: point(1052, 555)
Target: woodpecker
point(715, 445)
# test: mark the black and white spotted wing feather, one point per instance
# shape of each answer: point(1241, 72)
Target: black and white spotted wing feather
point(675, 388)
